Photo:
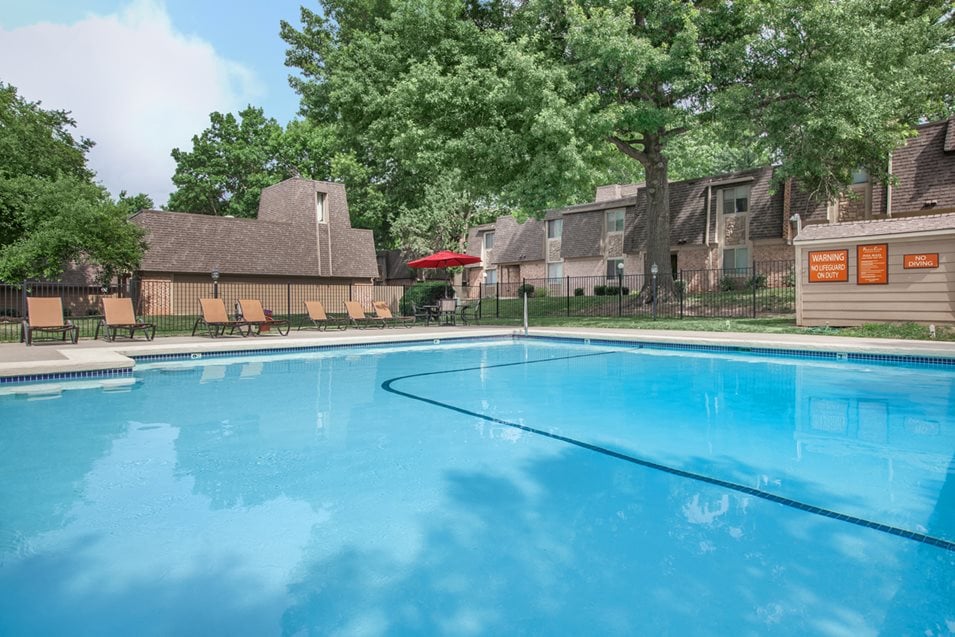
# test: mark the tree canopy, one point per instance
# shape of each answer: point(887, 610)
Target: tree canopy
point(51, 211)
point(822, 87)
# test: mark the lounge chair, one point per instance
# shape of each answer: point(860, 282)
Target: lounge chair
point(118, 315)
point(470, 311)
point(383, 312)
point(46, 315)
point(216, 320)
point(255, 317)
point(358, 318)
point(321, 320)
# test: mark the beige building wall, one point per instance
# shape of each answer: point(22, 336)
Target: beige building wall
point(919, 295)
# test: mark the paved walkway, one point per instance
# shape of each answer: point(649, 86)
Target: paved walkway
point(49, 357)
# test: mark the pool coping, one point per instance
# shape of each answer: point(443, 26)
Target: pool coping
point(120, 359)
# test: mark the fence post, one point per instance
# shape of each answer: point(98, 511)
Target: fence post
point(480, 298)
point(752, 282)
point(683, 289)
point(288, 301)
point(567, 292)
point(497, 299)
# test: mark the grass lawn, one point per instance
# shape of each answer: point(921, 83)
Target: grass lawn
point(909, 331)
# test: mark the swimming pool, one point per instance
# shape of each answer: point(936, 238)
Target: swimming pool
point(485, 488)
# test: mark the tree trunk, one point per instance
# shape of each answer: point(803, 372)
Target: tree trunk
point(658, 222)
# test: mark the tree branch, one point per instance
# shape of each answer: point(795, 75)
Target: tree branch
point(628, 150)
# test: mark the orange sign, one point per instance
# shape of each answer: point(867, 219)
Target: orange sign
point(872, 264)
point(827, 266)
point(916, 261)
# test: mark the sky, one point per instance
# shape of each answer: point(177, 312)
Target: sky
point(140, 77)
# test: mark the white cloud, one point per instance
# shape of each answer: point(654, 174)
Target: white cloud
point(134, 85)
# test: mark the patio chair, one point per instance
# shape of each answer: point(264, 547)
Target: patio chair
point(216, 320)
point(46, 315)
point(446, 310)
point(383, 312)
point(470, 311)
point(257, 320)
point(426, 313)
point(118, 315)
point(321, 320)
point(358, 318)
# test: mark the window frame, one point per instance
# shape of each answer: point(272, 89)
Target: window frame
point(484, 239)
point(735, 250)
point(616, 271)
point(736, 198)
point(321, 212)
point(490, 277)
point(555, 223)
point(622, 222)
point(555, 264)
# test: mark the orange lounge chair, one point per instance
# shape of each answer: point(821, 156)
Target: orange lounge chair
point(254, 316)
point(118, 315)
point(358, 317)
point(216, 320)
point(46, 315)
point(383, 312)
point(321, 320)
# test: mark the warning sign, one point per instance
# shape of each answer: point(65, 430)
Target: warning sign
point(828, 266)
point(916, 261)
point(872, 264)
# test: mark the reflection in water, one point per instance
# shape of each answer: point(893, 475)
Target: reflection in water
point(292, 495)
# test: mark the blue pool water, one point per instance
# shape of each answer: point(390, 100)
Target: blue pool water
point(490, 488)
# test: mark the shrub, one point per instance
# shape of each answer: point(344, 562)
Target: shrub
point(790, 279)
point(730, 283)
point(525, 288)
point(423, 293)
point(578, 291)
point(613, 290)
point(541, 292)
point(756, 282)
point(600, 290)
point(679, 287)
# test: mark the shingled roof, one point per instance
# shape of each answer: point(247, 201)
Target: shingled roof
point(877, 228)
point(285, 239)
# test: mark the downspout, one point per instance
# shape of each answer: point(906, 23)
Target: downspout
point(888, 190)
point(706, 235)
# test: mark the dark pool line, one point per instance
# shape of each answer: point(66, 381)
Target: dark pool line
point(947, 545)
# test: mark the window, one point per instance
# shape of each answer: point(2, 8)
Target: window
point(554, 228)
point(320, 207)
point(735, 258)
point(555, 270)
point(490, 277)
point(614, 268)
point(736, 200)
point(860, 176)
point(488, 240)
point(615, 220)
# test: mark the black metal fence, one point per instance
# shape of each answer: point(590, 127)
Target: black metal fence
point(766, 289)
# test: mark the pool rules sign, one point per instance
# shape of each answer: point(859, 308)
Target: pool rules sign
point(828, 266)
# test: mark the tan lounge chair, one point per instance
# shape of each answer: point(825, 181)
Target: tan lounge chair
point(321, 320)
point(255, 317)
point(118, 315)
point(383, 312)
point(358, 317)
point(216, 320)
point(46, 315)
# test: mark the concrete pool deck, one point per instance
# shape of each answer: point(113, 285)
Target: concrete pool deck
point(51, 357)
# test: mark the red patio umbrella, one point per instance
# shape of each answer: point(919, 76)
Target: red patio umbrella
point(444, 259)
